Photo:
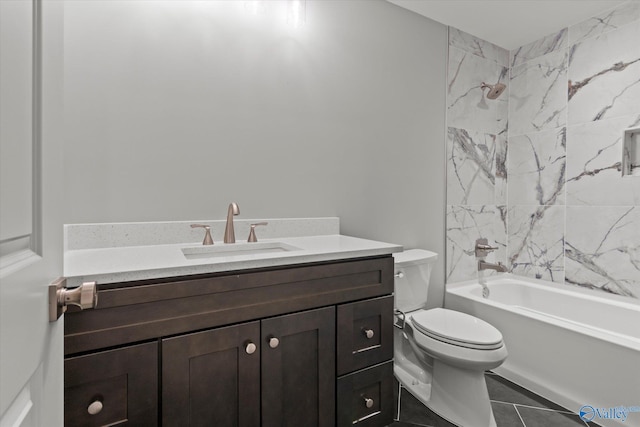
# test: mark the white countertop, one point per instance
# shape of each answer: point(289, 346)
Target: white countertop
point(129, 263)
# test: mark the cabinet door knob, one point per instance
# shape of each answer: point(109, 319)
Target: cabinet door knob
point(368, 402)
point(95, 407)
point(368, 333)
point(274, 342)
point(250, 348)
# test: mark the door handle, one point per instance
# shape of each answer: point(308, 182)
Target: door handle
point(84, 296)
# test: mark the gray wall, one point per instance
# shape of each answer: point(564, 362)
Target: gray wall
point(174, 109)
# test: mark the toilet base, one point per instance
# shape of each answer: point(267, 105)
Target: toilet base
point(458, 395)
point(419, 389)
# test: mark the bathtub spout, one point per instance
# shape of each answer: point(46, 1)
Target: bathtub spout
point(499, 267)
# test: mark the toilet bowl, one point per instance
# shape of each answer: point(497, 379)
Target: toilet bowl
point(440, 355)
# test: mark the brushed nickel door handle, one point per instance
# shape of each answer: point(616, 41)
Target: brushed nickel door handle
point(274, 342)
point(368, 333)
point(84, 296)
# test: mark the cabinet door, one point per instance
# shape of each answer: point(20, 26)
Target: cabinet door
point(212, 378)
point(298, 369)
point(114, 387)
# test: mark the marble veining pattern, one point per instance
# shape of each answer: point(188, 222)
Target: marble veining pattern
point(500, 170)
point(604, 75)
point(536, 241)
point(538, 94)
point(572, 218)
point(503, 113)
point(478, 47)
point(470, 167)
point(594, 176)
point(467, 107)
point(465, 224)
point(476, 152)
point(543, 46)
point(603, 248)
point(605, 22)
point(537, 165)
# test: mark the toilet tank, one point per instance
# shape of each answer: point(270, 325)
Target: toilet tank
point(412, 273)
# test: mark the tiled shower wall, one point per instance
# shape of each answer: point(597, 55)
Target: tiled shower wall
point(547, 188)
point(476, 152)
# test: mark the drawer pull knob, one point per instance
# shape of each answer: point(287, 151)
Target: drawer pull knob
point(399, 275)
point(368, 402)
point(368, 333)
point(95, 407)
point(250, 348)
point(274, 342)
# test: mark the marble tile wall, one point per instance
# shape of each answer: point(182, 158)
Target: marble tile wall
point(476, 152)
point(548, 185)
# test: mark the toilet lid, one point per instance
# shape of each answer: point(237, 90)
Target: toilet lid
point(457, 328)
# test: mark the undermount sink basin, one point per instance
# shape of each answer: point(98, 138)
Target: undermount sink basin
point(236, 249)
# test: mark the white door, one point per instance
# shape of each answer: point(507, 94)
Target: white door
point(31, 348)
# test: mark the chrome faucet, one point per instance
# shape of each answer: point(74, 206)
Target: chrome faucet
point(483, 249)
point(229, 233)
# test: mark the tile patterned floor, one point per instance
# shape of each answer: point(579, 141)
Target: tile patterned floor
point(513, 406)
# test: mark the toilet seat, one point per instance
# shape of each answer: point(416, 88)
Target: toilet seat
point(456, 328)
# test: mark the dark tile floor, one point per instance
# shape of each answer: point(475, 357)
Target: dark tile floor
point(513, 406)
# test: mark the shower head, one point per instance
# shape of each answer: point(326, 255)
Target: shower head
point(494, 90)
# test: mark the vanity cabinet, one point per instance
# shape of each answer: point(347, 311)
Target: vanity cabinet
point(220, 377)
point(306, 345)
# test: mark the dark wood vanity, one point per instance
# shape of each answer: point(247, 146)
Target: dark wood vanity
point(300, 345)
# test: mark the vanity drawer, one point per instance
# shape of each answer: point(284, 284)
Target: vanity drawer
point(365, 398)
point(365, 334)
point(115, 387)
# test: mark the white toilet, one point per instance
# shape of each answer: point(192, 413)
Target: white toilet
point(440, 355)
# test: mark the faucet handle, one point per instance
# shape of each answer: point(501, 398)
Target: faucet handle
point(208, 240)
point(487, 247)
point(252, 233)
point(483, 248)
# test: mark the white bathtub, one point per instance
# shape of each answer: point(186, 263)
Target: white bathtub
point(573, 346)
